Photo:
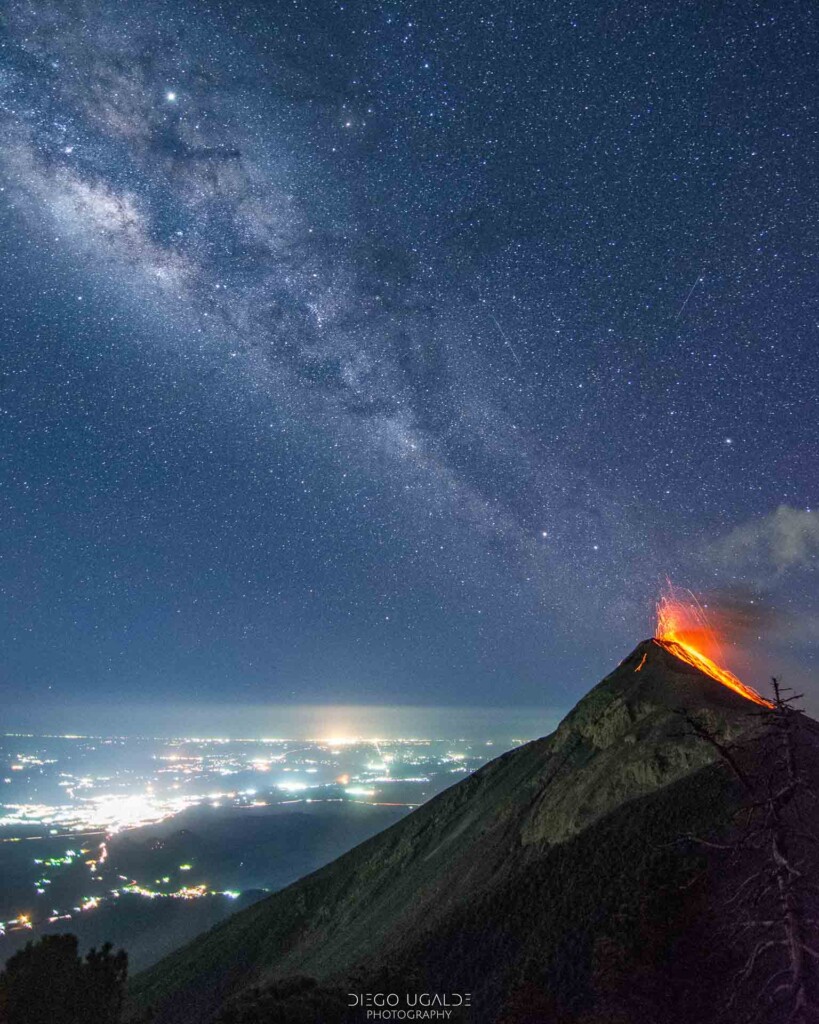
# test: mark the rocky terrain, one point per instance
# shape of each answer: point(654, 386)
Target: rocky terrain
point(554, 884)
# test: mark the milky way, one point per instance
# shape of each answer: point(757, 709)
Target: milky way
point(396, 352)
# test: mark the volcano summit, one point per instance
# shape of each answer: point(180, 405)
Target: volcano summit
point(558, 883)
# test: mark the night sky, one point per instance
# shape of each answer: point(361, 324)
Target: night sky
point(394, 353)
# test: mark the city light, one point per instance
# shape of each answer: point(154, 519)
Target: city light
point(79, 799)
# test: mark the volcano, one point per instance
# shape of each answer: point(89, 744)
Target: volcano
point(552, 885)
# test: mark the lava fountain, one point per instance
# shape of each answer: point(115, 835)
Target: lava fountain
point(684, 630)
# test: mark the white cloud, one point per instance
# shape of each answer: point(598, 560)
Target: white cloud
point(784, 540)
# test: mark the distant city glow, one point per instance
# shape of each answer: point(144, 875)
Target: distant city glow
point(359, 791)
point(89, 791)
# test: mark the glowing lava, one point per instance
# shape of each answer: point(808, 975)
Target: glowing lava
point(683, 629)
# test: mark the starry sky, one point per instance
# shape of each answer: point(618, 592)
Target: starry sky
point(395, 352)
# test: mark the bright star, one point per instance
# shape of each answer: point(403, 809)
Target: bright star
point(170, 97)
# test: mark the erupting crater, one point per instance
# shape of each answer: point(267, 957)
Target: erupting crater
point(683, 630)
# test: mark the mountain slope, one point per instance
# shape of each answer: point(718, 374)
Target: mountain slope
point(619, 777)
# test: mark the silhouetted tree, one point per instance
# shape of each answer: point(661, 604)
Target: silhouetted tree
point(102, 984)
point(49, 983)
point(774, 908)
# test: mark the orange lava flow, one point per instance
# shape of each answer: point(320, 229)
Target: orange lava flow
point(683, 629)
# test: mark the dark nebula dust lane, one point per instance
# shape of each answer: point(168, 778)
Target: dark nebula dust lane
point(395, 352)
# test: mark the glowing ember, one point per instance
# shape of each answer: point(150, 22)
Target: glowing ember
point(683, 629)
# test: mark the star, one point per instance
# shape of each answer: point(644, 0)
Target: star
point(455, 326)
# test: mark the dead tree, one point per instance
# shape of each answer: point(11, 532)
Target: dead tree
point(774, 906)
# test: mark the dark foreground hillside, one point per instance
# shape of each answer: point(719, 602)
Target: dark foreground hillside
point(553, 885)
